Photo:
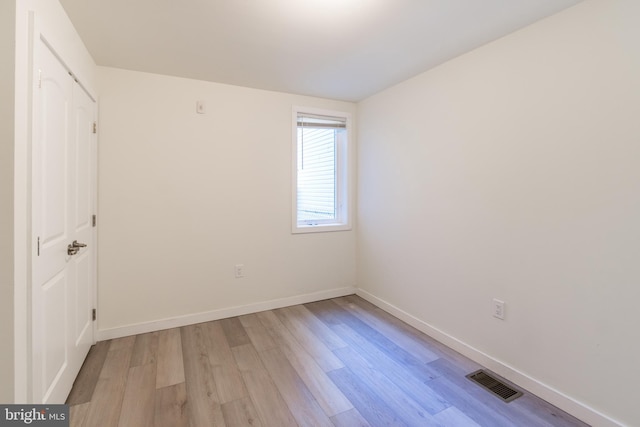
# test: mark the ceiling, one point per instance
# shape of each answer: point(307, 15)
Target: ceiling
point(340, 49)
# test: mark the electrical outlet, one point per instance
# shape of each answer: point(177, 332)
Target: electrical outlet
point(239, 269)
point(498, 309)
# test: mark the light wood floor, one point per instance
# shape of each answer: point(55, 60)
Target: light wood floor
point(339, 362)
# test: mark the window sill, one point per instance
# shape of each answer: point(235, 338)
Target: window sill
point(320, 228)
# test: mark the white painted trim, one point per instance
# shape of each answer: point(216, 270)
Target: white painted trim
point(191, 319)
point(96, 235)
point(25, 29)
point(536, 387)
point(345, 180)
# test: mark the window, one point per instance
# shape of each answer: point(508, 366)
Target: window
point(320, 192)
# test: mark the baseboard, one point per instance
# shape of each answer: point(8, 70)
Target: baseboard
point(191, 319)
point(555, 397)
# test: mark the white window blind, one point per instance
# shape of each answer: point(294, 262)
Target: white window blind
point(318, 195)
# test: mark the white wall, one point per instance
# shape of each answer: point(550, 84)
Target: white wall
point(183, 197)
point(7, 67)
point(512, 172)
point(50, 19)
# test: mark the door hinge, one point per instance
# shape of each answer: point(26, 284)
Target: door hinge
point(94, 220)
point(38, 245)
point(39, 79)
point(95, 127)
point(94, 315)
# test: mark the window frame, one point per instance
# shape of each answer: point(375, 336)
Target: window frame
point(343, 175)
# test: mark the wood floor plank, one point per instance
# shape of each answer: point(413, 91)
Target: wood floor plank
point(377, 341)
point(87, 378)
point(202, 394)
point(407, 378)
point(218, 347)
point(139, 397)
point(234, 331)
point(434, 346)
point(413, 376)
point(229, 382)
point(400, 401)
point(368, 404)
point(170, 364)
point(269, 403)
point(321, 353)
point(241, 413)
point(308, 340)
point(124, 342)
point(272, 324)
point(171, 406)
point(329, 397)
point(145, 349)
point(419, 350)
point(78, 414)
point(308, 368)
point(227, 377)
point(326, 311)
point(326, 393)
point(258, 334)
point(300, 315)
point(247, 358)
point(301, 402)
point(106, 402)
point(452, 416)
point(350, 418)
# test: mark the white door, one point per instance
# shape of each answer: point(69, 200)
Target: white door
point(63, 191)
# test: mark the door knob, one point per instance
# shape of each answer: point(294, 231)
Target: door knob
point(74, 247)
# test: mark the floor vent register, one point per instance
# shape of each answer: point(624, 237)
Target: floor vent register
point(495, 386)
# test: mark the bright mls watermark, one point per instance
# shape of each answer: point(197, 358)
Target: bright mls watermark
point(34, 415)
